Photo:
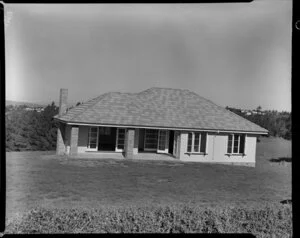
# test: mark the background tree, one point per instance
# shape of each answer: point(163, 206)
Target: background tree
point(277, 123)
point(31, 130)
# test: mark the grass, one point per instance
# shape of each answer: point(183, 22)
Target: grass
point(265, 221)
point(39, 179)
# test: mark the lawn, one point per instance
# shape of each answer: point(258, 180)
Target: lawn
point(42, 179)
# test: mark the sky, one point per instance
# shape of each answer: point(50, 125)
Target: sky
point(234, 54)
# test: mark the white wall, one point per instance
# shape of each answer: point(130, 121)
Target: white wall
point(217, 150)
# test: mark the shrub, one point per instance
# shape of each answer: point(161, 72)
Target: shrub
point(274, 221)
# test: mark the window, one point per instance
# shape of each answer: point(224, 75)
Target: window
point(93, 138)
point(120, 139)
point(236, 144)
point(162, 140)
point(197, 142)
point(151, 138)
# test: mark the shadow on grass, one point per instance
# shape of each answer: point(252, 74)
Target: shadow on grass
point(281, 159)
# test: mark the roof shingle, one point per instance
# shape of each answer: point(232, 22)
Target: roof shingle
point(159, 107)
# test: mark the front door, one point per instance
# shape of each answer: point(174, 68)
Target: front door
point(107, 139)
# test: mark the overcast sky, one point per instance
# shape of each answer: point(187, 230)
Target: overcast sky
point(235, 54)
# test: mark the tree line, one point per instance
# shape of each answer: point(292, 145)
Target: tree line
point(30, 130)
point(278, 124)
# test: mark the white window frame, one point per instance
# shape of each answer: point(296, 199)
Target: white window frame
point(193, 143)
point(166, 150)
point(88, 144)
point(239, 142)
point(117, 139)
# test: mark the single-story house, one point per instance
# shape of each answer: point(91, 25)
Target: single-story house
point(176, 122)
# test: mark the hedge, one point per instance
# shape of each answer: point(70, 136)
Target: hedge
point(270, 221)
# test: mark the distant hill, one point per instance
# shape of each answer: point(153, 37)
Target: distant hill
point(30, 104)
point(277, 123)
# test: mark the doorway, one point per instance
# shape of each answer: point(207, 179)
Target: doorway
point(171, 142)
point(107, 139)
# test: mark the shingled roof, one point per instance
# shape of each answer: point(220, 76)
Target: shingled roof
point(159, 108)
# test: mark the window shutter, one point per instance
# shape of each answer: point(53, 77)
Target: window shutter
point(189, 144)
point(242, 144)
point(229, 145)
point(245, 144)
point(206, 149)
point(203, 142)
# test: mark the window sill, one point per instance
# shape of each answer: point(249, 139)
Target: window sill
point(242, 154)
point(196, 153)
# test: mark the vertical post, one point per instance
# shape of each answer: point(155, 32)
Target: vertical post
point(136, 141)
point(129, 143)
point(74, 140)
point(182, 138)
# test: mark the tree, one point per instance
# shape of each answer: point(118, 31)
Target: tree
point(277, 123)
point(31, 130)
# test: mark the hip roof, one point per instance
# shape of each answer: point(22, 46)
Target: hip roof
point(159, 107)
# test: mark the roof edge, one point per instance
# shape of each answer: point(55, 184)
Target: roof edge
point(230, 112)
point(162, 127)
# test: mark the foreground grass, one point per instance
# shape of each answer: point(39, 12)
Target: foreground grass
point(46, 189)
point(43, 179)
point(263, 221)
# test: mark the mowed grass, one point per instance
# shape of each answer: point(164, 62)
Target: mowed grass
point(44, 180)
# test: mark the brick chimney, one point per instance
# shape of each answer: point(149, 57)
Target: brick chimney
point(63, 101)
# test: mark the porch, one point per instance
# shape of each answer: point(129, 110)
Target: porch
point(121, 156)
point(118, 142)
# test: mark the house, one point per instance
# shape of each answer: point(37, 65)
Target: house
point(37, 109)
point(176, 122)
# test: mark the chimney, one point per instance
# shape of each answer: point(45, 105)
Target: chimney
point(63, 101)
